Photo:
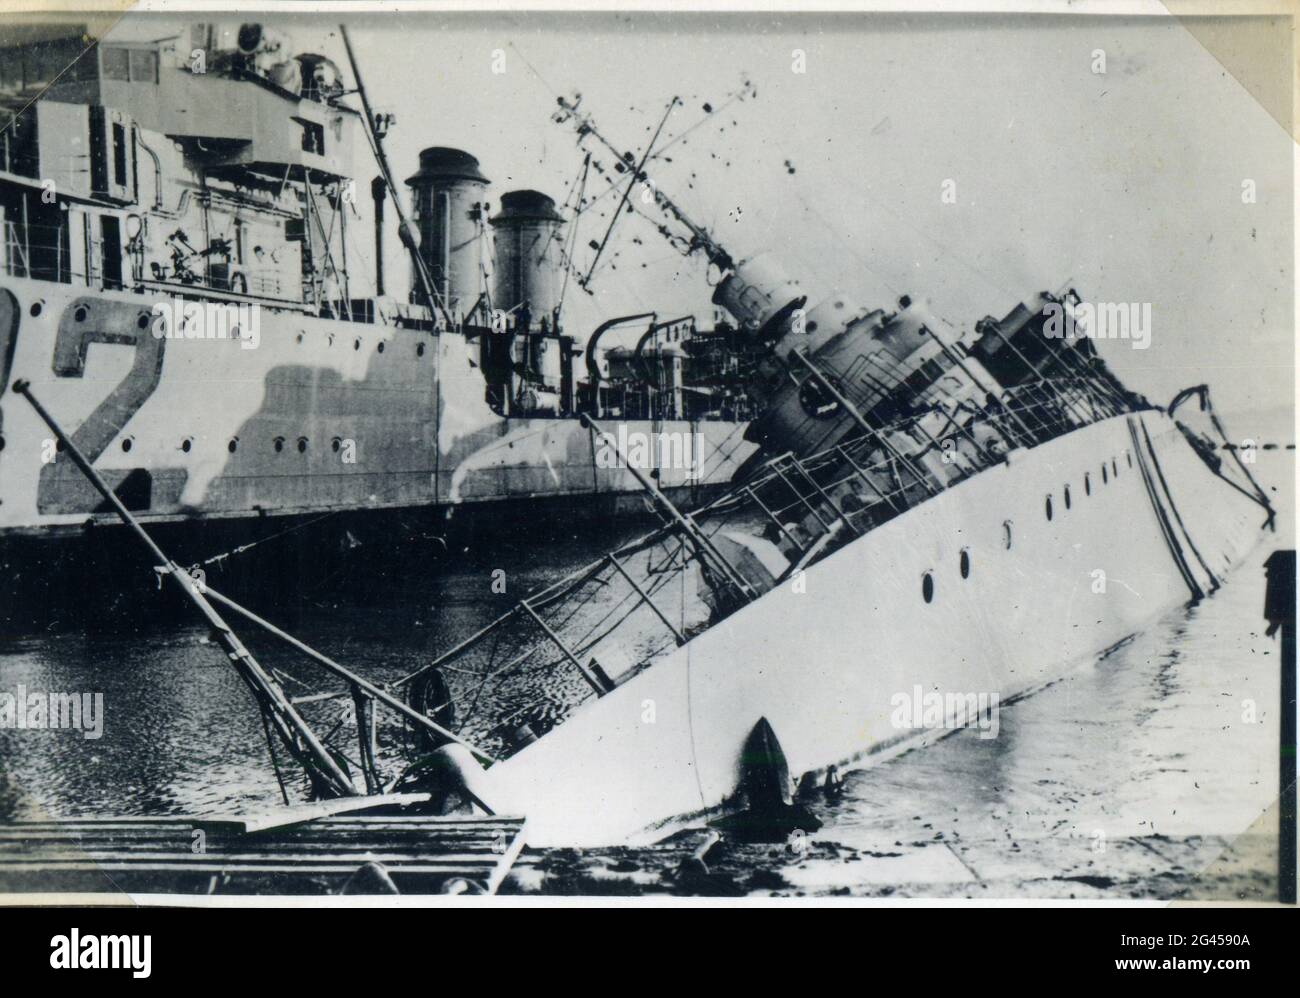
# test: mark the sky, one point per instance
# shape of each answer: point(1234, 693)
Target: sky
point(1126, 184)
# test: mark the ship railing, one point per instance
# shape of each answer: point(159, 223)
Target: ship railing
point(1037, 409)
point(16, 264)
point(579, 637)
point(35, 250)
point(572, 640)
point(1053, 406)
point(859, 483)
point(809, 506)
point(1046, 408)
point(722, 455)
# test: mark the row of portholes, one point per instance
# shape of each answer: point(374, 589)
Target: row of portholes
point(81, 314)
point(963, 568)
point(232, 446)
point(1106, 476)
point(381, 346)
point(964, 561)
point(143, 320)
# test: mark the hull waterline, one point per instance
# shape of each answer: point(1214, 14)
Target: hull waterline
point(824, 662)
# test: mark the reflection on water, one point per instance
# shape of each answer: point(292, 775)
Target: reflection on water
point(181, 732)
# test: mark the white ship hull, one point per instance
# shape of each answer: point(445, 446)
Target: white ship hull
point(322, 415)
point(823, 666)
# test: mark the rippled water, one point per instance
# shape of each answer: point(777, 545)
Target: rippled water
point(182, 734)
point(1149, 741)
point(1130, 776)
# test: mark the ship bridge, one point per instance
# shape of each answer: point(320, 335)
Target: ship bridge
point(251, 110)
point(213, 161)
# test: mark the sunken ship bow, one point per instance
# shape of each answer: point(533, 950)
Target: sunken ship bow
point(930, 510)
point(189, 283)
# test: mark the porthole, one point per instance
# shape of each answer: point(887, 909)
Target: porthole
point(336, 443)
point(1105, 476)
point(187, 444)
point(279, 444)
point(80, 313)
point(1067, 497)
point(419, 349)
point(2, 441)
point(329, 340)
point(302, 445)
point(127, 444)
point(381, 346)
point(964, 563)
point(142, 320)
point(356, 344)
point(1114, 468)
point(1087, 484)
point(927, 587)
point(233, 445)
point(301, 336)
point(1047, 507)
point(1006, 534)
point(37, 308)
point(1129, 458)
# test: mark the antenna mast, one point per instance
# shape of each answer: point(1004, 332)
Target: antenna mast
point(405, 229)
point(701, 238)
point(567, 252)
point(636, 174)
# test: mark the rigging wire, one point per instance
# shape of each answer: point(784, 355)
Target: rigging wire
point(615, 185)
point(566, 253)
point(746, 88)
point(216, 559)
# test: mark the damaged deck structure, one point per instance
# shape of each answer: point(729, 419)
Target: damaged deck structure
point(581, 637)
point(340, 854)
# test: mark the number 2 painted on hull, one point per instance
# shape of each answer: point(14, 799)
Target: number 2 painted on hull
point(88, 320)
point(8, 341)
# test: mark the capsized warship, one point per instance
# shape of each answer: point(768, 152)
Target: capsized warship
point(184, 282)
point(928, 516)
point(920, 507)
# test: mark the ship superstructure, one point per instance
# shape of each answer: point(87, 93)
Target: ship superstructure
point(181, 282)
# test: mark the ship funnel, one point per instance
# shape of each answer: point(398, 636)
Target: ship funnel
point(528, 266)
point(448, 208)
point(760, 295)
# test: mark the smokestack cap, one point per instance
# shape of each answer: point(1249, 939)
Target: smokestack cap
point(526, 206)
point(443, 163)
